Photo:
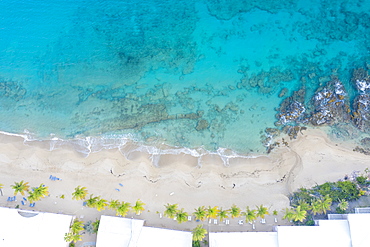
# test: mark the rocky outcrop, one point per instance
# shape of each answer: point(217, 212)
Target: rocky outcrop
point(330, 104)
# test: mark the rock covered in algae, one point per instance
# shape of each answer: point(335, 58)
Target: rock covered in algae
point(202, 125)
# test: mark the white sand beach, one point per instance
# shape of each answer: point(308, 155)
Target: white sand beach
point(309, 160)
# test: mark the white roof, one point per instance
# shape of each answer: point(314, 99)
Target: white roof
point(117, 232)
point(153, 237)
point(327, 233)
point(33, 228)
point(359, 228)
point(236, 239)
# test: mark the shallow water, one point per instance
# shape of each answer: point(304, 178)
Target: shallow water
point(188, 74)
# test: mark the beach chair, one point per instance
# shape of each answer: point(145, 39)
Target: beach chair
point(263, 221)
point(253, 227)
point(32, 205)
point(240, 222)
point(215, 222)
point(227, 222)
point(275, 220)
point(160, 215)
point(84, 203)
point(117, 189)
point(24, 198)
point(210, 221)
point(14, 199)
point(23, 203)
point(9, 199)
point(120, 184)
point(189, 218)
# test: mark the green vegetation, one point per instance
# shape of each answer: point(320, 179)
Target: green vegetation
point(318, 200)
point(235, 211)
point(181, 216)
point(198, 235)
point(212, 212)
point(223, 214)
point(80, 193)
point(138, 207)
point(123, 209)
point(250, 215)
point(38, 193)
point(200, 213)
point(74, 232)
point(261, 211)
point(20, 187)
point(171, 210)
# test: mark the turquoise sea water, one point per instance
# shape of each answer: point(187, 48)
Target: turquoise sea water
point(181, 73)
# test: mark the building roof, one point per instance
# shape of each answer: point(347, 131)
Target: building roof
point(236, 239)
point(359, 229)
point(151, 236)
point(27, 228)
point(118, 231)
point(327, 233)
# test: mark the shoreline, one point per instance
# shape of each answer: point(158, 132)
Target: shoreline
point(308, 160)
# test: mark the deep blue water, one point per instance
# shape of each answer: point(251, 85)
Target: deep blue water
point(181, 73)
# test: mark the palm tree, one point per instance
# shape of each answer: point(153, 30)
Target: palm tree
point(123, 209)
point(95, 225)
point(235, 211)
point(262, 211)
point(171, 210)
point(288, 215)
point(212, 213)
point(92, 201)
point(41, 191)
point(299, 214)
point(80, 193)
point(20, 187)
point(250, 215)
point(101, 204)
point(320, 206)
point(199, 233)
point(200, 213)
point(181, 216)
point(343, 205)
point(114, 204)
point(315, 206)
point(71, 237)
point(38, 193)
point(304, 205)
point(139, 207)
point(223, 214)
point(77, 226)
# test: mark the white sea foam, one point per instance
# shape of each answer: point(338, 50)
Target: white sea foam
point(127, 145)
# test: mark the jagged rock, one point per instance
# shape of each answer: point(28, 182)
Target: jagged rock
point(283, 92)
point(272, 132)
point(361, 114)
point(202, 125)
point(330, 104)
point(365, 142)
point(293, 131)
point(362, 150)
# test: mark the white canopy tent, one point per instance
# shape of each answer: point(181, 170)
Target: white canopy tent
point(359, 229)
point(241, 239)
point(30, 228)
point(119, 232)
